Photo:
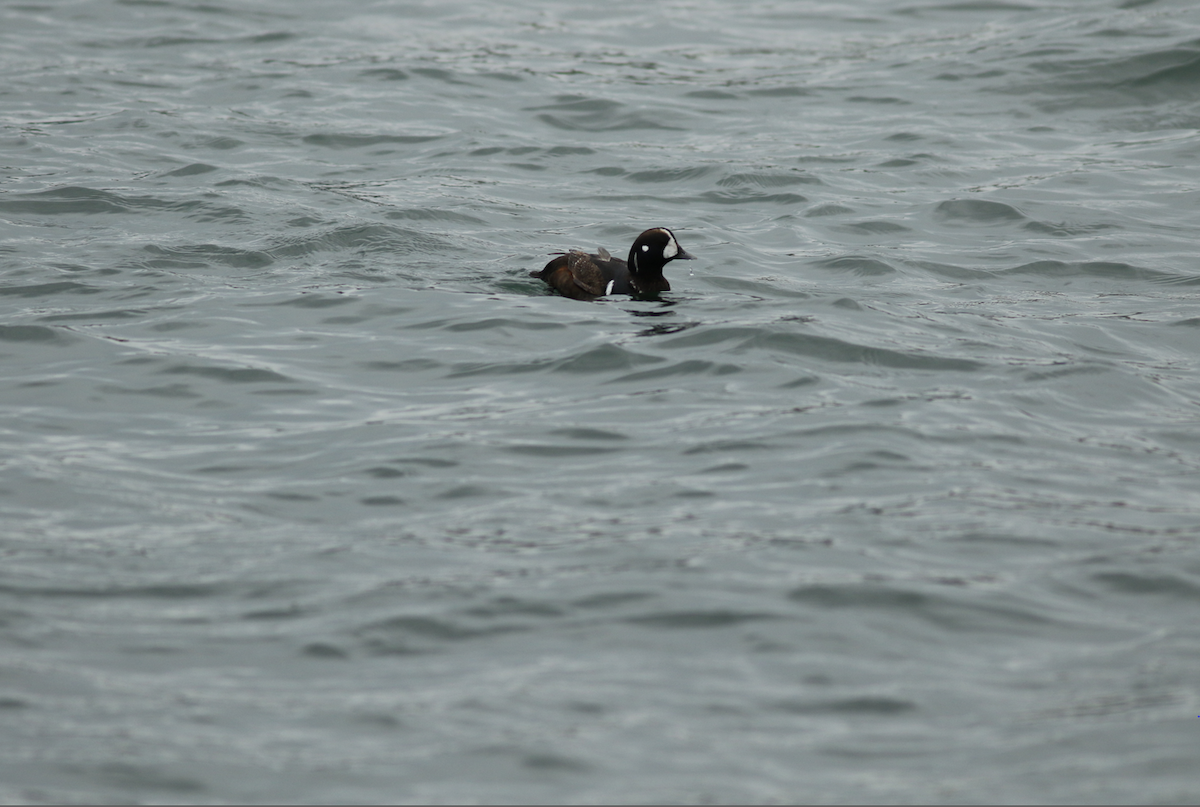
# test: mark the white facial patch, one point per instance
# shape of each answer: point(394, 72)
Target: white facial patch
point(609, 287)
point(645, 247)
point(671, 250)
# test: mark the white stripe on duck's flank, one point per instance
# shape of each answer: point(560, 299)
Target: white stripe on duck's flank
point(608, 289)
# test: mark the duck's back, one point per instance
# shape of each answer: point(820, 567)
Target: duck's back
point(582, 276)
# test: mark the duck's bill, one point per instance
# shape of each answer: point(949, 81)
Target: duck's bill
point(684, 255)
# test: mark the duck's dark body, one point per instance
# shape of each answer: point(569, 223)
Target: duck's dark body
point(584, 276)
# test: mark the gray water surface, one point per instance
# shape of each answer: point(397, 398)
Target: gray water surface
point(308, 492)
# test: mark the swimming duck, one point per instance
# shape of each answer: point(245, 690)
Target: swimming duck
point(582, 276)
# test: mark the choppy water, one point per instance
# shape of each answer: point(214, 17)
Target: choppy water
point(310, 493)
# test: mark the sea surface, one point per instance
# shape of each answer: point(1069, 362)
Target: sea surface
point(309, 493)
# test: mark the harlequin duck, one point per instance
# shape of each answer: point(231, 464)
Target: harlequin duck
point(582, 276)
